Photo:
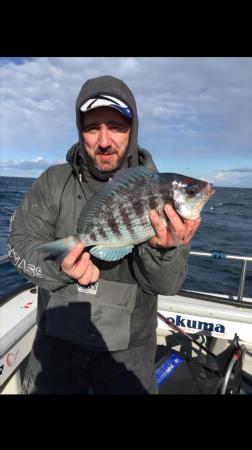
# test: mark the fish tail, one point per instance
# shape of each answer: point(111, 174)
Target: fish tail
point(59, 247)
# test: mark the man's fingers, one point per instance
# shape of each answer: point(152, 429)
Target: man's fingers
point(185, 226)
point(87, 276)
point(95, 275)
point(81, 265)
point(156, 222)
point(71, 258)
point(91, 274)
point(174, 218)
point(154, 217)
point(192, 226)
point(180, 231)
point(78, 265)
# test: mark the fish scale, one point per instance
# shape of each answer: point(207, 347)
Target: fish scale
point(117, 218)
point(107, 206)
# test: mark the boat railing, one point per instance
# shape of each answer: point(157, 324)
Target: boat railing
point(213, 254)
point(222, 255)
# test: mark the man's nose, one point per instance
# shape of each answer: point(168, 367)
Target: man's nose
point(104, 137)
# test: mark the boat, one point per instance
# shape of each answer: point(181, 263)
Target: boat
point(204, 339)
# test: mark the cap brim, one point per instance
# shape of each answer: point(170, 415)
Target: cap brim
point(109, 102)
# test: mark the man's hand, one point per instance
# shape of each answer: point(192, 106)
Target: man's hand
point(79, 266)
point(181, 233)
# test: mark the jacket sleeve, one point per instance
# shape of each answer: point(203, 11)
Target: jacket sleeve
point(160, 271)
point(33, 223)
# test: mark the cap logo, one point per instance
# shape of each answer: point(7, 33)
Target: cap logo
point(107, 100)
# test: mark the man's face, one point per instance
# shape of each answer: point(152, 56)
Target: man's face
point(106, 136)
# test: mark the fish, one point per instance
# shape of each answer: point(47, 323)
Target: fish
point(116, 219)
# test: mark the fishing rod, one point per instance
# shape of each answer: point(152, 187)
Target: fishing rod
point(237, 355)
point(175, 327)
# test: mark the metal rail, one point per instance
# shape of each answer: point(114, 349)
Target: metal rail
point(222, 255)
point(213, 254)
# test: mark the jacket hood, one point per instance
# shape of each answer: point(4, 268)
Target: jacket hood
point(114, 87)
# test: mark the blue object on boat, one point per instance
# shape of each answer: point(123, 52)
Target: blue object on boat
point(168, 367)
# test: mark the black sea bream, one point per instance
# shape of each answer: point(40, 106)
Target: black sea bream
point(117, 218)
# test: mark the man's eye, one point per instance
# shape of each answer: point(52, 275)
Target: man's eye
point(118, 127)
point(88, 129)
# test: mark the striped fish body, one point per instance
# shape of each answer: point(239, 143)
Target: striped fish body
point(117, 218)
point(119, 214)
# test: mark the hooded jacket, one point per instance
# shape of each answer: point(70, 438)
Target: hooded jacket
point(120, 310)
point(107, 85)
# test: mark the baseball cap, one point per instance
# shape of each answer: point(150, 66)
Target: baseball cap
point(107, 100)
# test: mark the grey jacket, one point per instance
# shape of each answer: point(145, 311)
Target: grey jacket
point(120, 310)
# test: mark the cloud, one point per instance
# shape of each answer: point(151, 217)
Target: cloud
point(192, 109)
point(21, 168)
point(240, 177)
point(241, 169)
point(38, 99)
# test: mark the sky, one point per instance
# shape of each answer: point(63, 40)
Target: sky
point(195, 113)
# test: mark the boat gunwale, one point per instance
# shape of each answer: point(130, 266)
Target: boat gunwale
point(15, 291)
point(231, 301)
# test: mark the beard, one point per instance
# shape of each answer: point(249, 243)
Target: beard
point(108, 160)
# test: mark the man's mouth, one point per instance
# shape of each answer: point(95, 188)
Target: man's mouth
point(105, 156)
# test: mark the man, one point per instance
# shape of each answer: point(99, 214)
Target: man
point(96, 319)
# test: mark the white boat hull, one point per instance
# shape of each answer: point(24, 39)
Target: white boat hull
point(198, 317)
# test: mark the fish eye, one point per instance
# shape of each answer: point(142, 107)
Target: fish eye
point(191, 190)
